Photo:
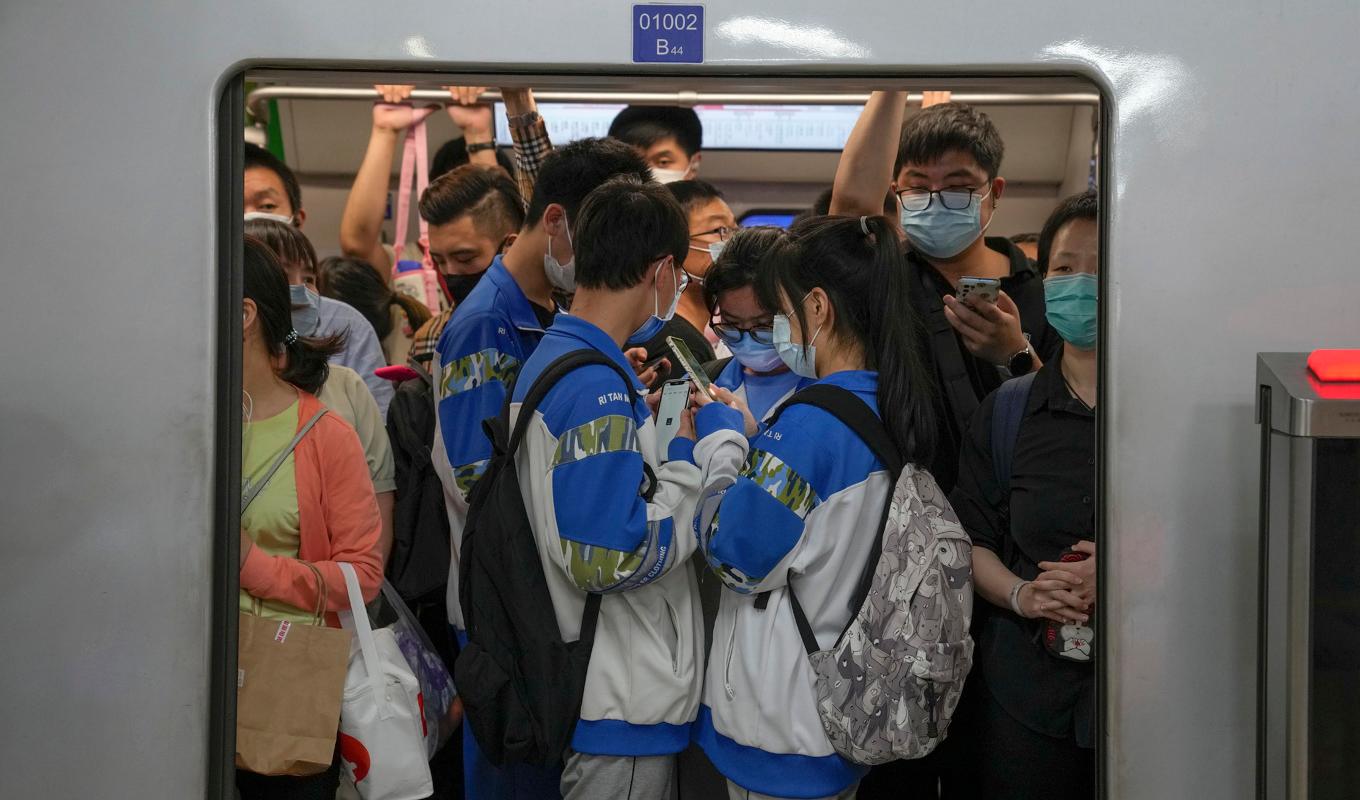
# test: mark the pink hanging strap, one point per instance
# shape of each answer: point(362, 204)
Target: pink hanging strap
point(415, 162)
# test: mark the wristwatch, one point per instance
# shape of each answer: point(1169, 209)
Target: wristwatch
point(477, 147)
point(522, 121)
point(1022, 362)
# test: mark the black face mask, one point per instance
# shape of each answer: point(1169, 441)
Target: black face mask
point(460, 286)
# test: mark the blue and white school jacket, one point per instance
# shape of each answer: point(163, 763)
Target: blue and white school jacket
point(733, 378)
point(580, 468)
point(487, 339)
point(806, 496)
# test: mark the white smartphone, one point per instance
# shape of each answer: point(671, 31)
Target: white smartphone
point(986, 289)
point(674, 401)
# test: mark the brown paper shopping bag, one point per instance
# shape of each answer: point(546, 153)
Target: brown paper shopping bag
point(290, 679)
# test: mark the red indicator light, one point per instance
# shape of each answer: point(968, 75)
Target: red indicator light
point(1335, 365)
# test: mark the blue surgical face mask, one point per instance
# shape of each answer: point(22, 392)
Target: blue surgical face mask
point(800, 358)
point(940, 232)
point(1071, 302)
point(658, 320)
point(754, 355)
point(714, 249)
point(306, 309)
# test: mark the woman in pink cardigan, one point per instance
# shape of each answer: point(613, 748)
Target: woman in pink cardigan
point(317, 507)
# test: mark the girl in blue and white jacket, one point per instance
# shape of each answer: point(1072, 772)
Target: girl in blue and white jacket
point(802, 502)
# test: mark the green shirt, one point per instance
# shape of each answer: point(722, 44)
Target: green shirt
point(272, 520)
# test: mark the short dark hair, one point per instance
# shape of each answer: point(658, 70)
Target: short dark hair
point(931, 133)
point(453, 154)
point(306, 366)
point(694, 192)
point(288, 244)
point(1024, 238)
point(1078, 206)
point(624, 227)
point(569, 173)
point(749, 252)
point(644, 126)
point(485, 193)
point(257, 156)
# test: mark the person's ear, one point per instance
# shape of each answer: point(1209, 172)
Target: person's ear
point(818, 310)
point(998, 189)
point(554, 218)
point(299, 217)
point(507, 241)
point(694, 164)
point(249, 315)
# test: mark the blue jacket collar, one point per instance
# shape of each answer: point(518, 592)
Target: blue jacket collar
point(861, 381)
point(521, 310)
point(591, 336)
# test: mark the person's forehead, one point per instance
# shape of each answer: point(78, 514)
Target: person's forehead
point(665, 145)
point(715, 212)
point(263, 179)
point(457, 233)
point(954, 163)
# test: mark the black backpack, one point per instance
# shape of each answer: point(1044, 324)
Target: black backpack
point(418, 566)
point(521, 684)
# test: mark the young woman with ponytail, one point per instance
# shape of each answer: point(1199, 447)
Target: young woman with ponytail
point(802, 502)
point(318, 506)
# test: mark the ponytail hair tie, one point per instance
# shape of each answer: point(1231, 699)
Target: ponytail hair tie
point(864, 225)
point(291, 338)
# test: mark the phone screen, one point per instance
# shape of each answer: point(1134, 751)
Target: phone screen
point(690, 363)
point(674, 399)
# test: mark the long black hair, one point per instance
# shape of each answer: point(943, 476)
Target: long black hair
point(858, 263)
point(305, 358)
point(354, 282)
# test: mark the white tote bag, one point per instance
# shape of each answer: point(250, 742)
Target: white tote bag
point(382, 737)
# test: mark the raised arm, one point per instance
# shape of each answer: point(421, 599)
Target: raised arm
point(865, 169)
point(475, 120)
point(530, 135)
point(361, 223)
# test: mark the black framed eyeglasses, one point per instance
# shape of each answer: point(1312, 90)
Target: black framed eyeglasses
point(761, 334)
point(724, 233)
point(955, 198)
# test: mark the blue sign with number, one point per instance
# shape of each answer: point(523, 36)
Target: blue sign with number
point(666, 34)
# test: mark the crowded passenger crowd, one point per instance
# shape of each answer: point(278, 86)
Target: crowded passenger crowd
point(841, 545)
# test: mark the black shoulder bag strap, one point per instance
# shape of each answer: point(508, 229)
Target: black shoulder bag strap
point(858, 417)
point(944, 345)
point(547, 379)
point(715, 367)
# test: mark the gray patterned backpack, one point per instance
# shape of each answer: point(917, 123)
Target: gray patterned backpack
point(889, 685)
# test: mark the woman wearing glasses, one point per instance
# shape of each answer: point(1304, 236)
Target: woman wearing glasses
point(755, 373)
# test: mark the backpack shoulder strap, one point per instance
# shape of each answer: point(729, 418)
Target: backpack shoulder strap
point(1007, 414)
point(855, 413)
point(547, 379)
point(858, 417)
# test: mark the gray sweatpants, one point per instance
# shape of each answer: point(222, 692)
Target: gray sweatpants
point(588, 777)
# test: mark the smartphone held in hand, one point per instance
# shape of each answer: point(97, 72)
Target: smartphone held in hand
point(690, 364)
point(984, 289)
point(674, 401)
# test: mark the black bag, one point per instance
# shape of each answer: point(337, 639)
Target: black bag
point(521, 684)
point(418, 566)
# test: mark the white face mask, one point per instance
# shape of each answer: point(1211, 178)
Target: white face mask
point(561, 276)
point(250, 215)
point(714, 249)
point(670, 175)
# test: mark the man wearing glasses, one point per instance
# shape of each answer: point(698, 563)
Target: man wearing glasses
point(711, 224)
point(944, 171)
